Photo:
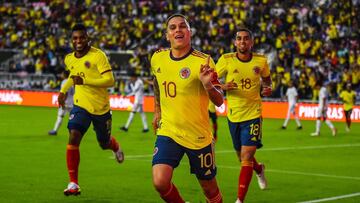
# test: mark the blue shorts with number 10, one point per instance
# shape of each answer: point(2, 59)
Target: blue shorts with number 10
point(246, 133)
point(202, 161)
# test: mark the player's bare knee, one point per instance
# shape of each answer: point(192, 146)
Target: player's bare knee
point(75, 137)
point(210, 191)
point(161, 185)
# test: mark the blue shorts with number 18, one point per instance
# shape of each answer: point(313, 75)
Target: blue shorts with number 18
point(202, 162)
point(246, 133)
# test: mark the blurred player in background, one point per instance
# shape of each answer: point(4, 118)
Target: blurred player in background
point(183, 84)
point(348, 97)
point(243, 71)
point(69, 102)
point(137, 90)
point(292, 96)
point(91, 74)
point(213, 118)
point(322, 109)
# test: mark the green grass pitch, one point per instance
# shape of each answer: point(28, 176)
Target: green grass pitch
point(298, 167)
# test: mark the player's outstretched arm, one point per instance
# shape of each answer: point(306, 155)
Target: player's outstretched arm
point(106, 80)
point(157, 112)
point(63, 91)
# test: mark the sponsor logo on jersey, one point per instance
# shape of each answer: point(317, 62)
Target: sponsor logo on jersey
point(185, 72)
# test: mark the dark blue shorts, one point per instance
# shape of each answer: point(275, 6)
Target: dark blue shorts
point(80, 120)
point(246, 133)
point(202, 161)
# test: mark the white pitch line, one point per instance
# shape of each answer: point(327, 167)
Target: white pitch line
point(270, 149)
point(332, 198)
point(298, 173)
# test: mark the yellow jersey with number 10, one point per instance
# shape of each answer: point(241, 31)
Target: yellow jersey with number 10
point(94, 99)
point(183, 99)
point(244, 103)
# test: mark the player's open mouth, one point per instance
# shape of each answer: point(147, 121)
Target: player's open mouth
point(179, 37)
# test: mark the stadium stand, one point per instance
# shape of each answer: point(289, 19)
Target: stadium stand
point(304, 40)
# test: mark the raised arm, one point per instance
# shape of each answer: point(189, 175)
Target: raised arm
point(211, 84)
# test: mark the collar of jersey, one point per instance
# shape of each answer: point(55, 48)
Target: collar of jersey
point(181, 58)
point(245, 60)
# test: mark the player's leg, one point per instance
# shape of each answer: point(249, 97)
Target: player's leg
point(328, 122)
point(143, 118)
point(287, 118)
point(348, 120)
point(331, 126)
point(79, 122)
point(318, 122)
point(102, 126)
point(259, 168)
point(250, 139)
point(60, 116)
point(211, 190)
point(297, 120)
point(246, 155)
point(167, 156)
point(202, 164)
point(130, 118)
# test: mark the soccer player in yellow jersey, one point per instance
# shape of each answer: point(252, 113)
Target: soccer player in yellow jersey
point(184, 81)
point(245, 74)
point(348, 96)
point(91, 74)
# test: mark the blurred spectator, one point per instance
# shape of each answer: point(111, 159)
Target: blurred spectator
point(306, 40)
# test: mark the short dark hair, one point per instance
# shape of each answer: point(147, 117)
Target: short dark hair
point(79, 27)
point(176, 15)
point(244, 29)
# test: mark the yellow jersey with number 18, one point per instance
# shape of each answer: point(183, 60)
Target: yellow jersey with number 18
point(183, 99)
point(94, 99)
point(244, 103)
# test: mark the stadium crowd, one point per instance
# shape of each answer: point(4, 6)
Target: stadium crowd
point(305, 41)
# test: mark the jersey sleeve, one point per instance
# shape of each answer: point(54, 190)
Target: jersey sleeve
point(103, 63)
point(221, 66)
point(153, 63)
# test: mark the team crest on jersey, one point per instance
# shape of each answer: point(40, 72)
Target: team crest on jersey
point(71, 116)
point(185, 72)
point(256, 70)
point(87, 64)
